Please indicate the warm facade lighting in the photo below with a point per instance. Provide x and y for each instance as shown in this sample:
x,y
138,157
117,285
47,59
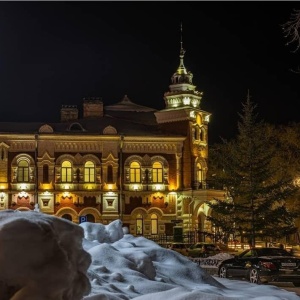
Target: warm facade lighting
x,y
23,186
66,194
23,194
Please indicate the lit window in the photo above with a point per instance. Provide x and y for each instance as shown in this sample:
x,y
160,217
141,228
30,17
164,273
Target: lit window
x,y
89,172
135,172
66,171
157,172
199,175
139,225
154,224
23,171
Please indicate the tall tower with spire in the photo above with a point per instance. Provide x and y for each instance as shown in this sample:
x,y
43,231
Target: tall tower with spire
x,y
183,115
182,99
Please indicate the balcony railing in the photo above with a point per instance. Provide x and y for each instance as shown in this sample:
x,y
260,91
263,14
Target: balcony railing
x,y
207,185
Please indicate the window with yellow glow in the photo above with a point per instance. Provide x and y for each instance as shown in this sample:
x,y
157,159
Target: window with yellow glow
x,y
66,171
199,174
157,172
139,225
89,172
154,224
135,172
23,171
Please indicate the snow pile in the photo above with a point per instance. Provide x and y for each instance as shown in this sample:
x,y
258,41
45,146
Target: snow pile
x,y
47,258
41,257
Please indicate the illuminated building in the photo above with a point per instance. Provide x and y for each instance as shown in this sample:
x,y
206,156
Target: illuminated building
x,y
145,166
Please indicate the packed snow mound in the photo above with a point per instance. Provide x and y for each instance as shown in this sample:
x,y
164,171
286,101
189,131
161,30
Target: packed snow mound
x,y
103,233
131,267
41,257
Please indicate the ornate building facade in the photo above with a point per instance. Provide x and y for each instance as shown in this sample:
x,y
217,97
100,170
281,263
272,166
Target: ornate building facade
x,y
125,161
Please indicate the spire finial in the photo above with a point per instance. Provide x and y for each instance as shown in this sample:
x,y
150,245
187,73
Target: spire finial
x,y
181,69
182,51
181,42
182,76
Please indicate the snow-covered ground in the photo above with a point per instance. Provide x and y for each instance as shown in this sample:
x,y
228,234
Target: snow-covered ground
x,y
48,258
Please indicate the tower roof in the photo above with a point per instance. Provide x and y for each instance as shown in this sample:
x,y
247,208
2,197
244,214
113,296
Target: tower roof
x,y
127,105
182,75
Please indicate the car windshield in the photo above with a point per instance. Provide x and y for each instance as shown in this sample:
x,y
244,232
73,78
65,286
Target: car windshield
x,y
264,252
205,246
272,252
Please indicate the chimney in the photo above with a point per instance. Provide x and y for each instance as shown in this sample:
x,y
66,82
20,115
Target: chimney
x,y
68,113
92,107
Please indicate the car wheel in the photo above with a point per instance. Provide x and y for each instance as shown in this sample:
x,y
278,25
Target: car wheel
x,y
254,276
223,272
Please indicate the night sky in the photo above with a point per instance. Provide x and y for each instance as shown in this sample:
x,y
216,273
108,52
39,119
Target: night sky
x,y
56,53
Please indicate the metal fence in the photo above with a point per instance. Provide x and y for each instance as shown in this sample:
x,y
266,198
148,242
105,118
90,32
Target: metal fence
x,y
165,240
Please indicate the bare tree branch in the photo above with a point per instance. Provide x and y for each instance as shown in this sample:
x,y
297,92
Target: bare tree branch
x,y
291,29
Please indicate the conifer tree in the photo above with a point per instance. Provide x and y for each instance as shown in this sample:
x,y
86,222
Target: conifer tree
x,y
254,190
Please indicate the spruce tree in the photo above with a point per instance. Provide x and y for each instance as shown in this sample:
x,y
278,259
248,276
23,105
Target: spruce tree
x,y
254,191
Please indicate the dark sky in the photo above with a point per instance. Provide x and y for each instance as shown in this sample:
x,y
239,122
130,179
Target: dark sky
x,y
56,53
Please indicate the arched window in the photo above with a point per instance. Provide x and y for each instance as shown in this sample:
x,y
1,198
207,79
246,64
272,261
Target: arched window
x,y
154,224
23,171
157,172
135,172
199,175
89,172
90,218
45,174
66,171
202,134
110,174
195,133
139,225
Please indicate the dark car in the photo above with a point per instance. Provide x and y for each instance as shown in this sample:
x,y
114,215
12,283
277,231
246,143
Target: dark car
x,y
202,249
262,265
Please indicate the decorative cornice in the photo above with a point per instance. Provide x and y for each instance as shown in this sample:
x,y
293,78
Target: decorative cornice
x,y
166,116
22,146
152,147
78,146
